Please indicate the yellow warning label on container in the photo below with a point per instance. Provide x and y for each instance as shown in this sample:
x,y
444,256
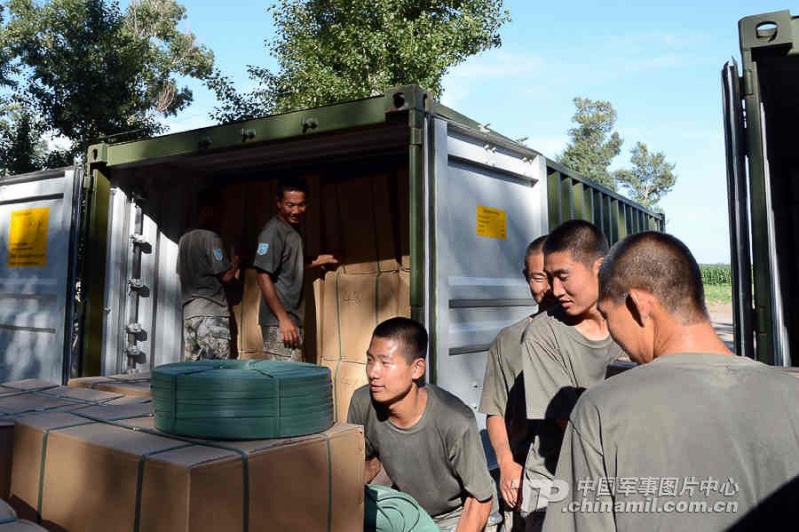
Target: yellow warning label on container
x,y
491,223
27,237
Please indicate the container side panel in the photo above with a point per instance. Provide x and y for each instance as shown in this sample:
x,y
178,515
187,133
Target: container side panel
x,y
572,196
36,224
489,204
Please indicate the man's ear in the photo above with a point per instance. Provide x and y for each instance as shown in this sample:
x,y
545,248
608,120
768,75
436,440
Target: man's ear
x,y
596,265
639,303
418,368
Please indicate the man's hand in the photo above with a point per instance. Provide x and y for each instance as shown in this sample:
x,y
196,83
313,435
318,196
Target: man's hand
x,y
289,333
324,260
510,482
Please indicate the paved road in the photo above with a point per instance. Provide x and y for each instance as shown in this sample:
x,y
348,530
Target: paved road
x,y
724,328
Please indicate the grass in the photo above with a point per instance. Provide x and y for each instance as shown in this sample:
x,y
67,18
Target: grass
x,y
718,293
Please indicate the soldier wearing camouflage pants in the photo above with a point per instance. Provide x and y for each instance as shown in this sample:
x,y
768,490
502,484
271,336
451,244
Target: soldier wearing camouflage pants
x,y
204,269
280,262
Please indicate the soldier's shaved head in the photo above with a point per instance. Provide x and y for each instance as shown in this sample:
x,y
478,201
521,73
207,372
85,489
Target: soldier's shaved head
x,y
661,265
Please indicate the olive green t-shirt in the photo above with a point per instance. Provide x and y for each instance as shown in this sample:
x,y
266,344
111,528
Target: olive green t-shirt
x,y
558,364
439,461
201,258
686,442
279,253
503,388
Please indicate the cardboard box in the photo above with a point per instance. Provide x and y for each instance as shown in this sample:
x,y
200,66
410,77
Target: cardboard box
x,y
353,306
103,477
319,305
349,377
404,293
33,397
250,339
27,385
135,385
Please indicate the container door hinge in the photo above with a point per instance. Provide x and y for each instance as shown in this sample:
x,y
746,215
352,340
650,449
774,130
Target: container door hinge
x,y
134,351
142,243
136,284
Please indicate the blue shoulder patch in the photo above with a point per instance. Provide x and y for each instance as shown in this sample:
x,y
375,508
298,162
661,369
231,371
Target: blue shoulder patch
x,y
263,247
218,254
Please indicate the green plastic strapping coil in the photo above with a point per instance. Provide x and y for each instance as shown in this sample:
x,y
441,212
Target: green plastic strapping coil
x,y
242,399
388,510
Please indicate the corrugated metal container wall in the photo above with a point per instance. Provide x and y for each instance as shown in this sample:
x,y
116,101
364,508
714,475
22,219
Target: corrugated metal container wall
x,y
573,196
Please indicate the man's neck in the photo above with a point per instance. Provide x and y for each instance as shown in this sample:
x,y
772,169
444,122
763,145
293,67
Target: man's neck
x,y
695,338
590,324
406,412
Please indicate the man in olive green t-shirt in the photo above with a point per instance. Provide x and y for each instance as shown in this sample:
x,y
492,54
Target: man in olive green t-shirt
x,y
564,352
694,438
425,437
502,399
280,263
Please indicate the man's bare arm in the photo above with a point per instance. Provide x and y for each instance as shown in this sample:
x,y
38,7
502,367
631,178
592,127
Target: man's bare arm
x,y
510,473
229,275
475,515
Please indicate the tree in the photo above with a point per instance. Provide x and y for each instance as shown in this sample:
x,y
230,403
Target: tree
x,y
593,143
91,71
333,50
21,146
650,178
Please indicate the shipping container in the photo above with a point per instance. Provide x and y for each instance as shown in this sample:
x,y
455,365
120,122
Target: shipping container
x,y
431,210
761,109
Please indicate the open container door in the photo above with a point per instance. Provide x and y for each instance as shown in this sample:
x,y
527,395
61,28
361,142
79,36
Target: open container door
x,y
39,223
738,206
770,53
489,201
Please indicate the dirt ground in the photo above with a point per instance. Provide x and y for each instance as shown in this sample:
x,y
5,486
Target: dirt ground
x,y
721,316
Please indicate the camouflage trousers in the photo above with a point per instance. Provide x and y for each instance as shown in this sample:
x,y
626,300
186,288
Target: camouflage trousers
x,y
206,337
275,350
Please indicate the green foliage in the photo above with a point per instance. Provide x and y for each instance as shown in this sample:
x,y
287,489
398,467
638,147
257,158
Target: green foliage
x,y
21,146
716,274
333,50
593,143
593,146
89,70
719,294
650,178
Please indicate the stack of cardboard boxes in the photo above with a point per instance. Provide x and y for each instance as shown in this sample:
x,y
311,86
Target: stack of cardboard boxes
x,y
134,385
91,460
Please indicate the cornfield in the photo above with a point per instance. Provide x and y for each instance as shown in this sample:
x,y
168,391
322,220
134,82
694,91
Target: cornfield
x,y
716,274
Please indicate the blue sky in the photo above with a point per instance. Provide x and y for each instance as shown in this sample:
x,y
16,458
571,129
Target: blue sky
x,y
657,63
